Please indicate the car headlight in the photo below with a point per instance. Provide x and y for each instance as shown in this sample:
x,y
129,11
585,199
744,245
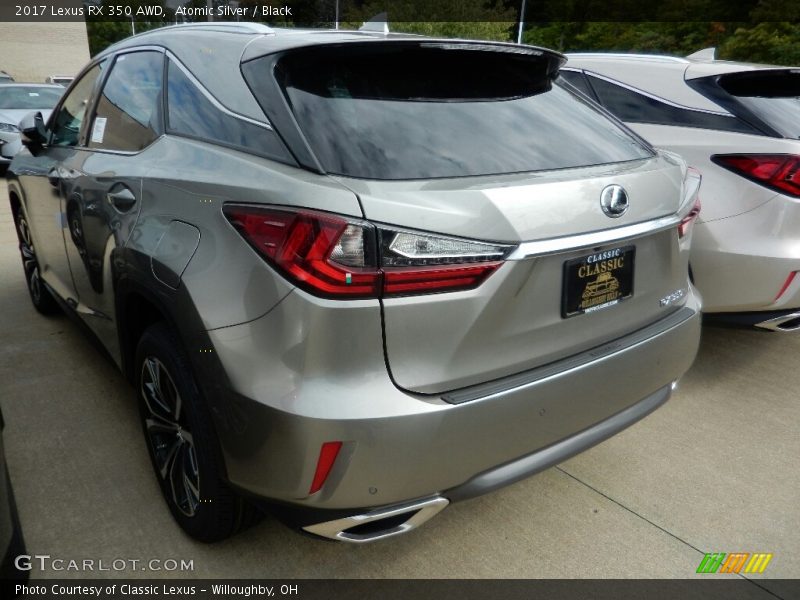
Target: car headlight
x,y
8,127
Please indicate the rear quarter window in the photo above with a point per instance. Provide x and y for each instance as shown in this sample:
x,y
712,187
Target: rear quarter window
x,y
633,107
191,113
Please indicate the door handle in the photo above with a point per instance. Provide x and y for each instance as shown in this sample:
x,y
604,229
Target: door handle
x,y
123,200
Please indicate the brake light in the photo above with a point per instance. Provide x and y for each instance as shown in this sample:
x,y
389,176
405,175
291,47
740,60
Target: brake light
x,y
335,257
779,172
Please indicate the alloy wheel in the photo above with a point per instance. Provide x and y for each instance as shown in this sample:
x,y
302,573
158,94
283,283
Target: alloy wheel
x,y
169,437
29,262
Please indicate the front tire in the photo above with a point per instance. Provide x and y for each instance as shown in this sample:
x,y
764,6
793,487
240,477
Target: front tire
x,y
40,296
181,442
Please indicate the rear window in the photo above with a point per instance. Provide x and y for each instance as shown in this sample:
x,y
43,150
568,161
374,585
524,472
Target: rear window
x,y
29,98
773,96
431,110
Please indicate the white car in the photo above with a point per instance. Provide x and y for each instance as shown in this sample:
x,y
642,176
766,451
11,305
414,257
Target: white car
x,y
16,101
738,124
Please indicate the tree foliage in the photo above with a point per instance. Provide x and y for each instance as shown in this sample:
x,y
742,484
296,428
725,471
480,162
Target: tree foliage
x,y
766,30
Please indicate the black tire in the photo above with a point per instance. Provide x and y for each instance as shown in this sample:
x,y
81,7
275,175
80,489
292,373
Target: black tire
x,y
181,441
40,296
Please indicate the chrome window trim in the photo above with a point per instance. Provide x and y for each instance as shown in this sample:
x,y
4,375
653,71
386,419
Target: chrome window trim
x,y
113,57
652,96
217,104
595,238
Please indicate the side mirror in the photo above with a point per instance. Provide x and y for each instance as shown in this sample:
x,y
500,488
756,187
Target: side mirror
x,y
34,133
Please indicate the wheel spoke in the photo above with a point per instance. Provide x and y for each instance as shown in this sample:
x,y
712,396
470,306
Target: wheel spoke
x,y
35,284
167,463
158,425
171,444
184,492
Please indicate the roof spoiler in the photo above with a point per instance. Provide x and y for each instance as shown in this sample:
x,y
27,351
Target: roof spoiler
x,y
377,24
704,54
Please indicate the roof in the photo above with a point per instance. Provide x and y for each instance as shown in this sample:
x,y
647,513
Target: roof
x,y
202,47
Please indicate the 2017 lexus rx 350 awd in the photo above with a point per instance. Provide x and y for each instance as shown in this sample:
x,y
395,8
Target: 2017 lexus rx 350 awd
x,y
356,276
740,125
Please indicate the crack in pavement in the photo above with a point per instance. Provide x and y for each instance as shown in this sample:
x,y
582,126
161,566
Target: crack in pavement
x,y
659,527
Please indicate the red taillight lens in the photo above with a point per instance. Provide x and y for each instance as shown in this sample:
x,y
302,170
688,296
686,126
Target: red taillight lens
x,y
687,221
301,244
780,172
334,257
327,456
409,280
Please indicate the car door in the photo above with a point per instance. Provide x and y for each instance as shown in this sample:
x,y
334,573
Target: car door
x,y
43,179
102,181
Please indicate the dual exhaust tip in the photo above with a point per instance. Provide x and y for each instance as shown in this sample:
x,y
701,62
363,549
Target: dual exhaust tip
x,y
381,523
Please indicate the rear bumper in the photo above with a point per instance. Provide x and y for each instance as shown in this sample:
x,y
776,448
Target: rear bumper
x,y
399,447
376,524
741,263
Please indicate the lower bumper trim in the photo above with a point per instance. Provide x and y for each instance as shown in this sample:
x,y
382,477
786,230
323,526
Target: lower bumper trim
x,y
545,458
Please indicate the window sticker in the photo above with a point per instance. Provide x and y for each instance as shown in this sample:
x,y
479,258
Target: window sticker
x,y
99,130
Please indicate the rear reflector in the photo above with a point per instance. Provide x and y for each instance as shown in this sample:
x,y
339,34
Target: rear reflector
x,y
780,172
785,285
337,257
327,456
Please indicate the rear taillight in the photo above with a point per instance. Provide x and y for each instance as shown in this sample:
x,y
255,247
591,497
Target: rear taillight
x,y
691,201
780,172
686,222
335,257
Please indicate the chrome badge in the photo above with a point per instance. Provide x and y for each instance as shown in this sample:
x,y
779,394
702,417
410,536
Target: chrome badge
x,y
614,201
672,298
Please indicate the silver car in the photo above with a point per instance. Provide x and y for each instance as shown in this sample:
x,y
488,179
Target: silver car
x,y
16,101
355,277
740,125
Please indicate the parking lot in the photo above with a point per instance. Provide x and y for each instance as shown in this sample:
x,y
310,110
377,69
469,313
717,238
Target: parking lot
x,y
715,470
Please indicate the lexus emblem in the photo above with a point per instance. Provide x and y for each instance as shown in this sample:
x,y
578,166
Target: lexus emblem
x,y
614,201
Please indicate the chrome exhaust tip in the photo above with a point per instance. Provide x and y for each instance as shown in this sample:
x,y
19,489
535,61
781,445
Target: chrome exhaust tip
x,y
381,523
784,323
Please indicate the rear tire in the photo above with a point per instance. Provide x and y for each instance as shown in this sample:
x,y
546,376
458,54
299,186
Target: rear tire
x,y
181,441
40,296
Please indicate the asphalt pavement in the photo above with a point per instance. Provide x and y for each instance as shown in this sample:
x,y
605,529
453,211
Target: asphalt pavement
x,y
714,470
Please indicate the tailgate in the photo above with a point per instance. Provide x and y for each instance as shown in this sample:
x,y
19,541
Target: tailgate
x,y
563,291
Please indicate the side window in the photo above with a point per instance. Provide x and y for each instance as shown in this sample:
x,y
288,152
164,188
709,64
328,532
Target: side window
x,y
66,124
192,114
633,107
577,80
128,110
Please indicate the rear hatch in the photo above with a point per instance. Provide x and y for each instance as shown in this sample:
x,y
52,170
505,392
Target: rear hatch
x,y
452,143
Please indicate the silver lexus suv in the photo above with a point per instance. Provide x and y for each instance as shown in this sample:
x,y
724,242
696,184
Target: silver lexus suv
x,y
354,277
